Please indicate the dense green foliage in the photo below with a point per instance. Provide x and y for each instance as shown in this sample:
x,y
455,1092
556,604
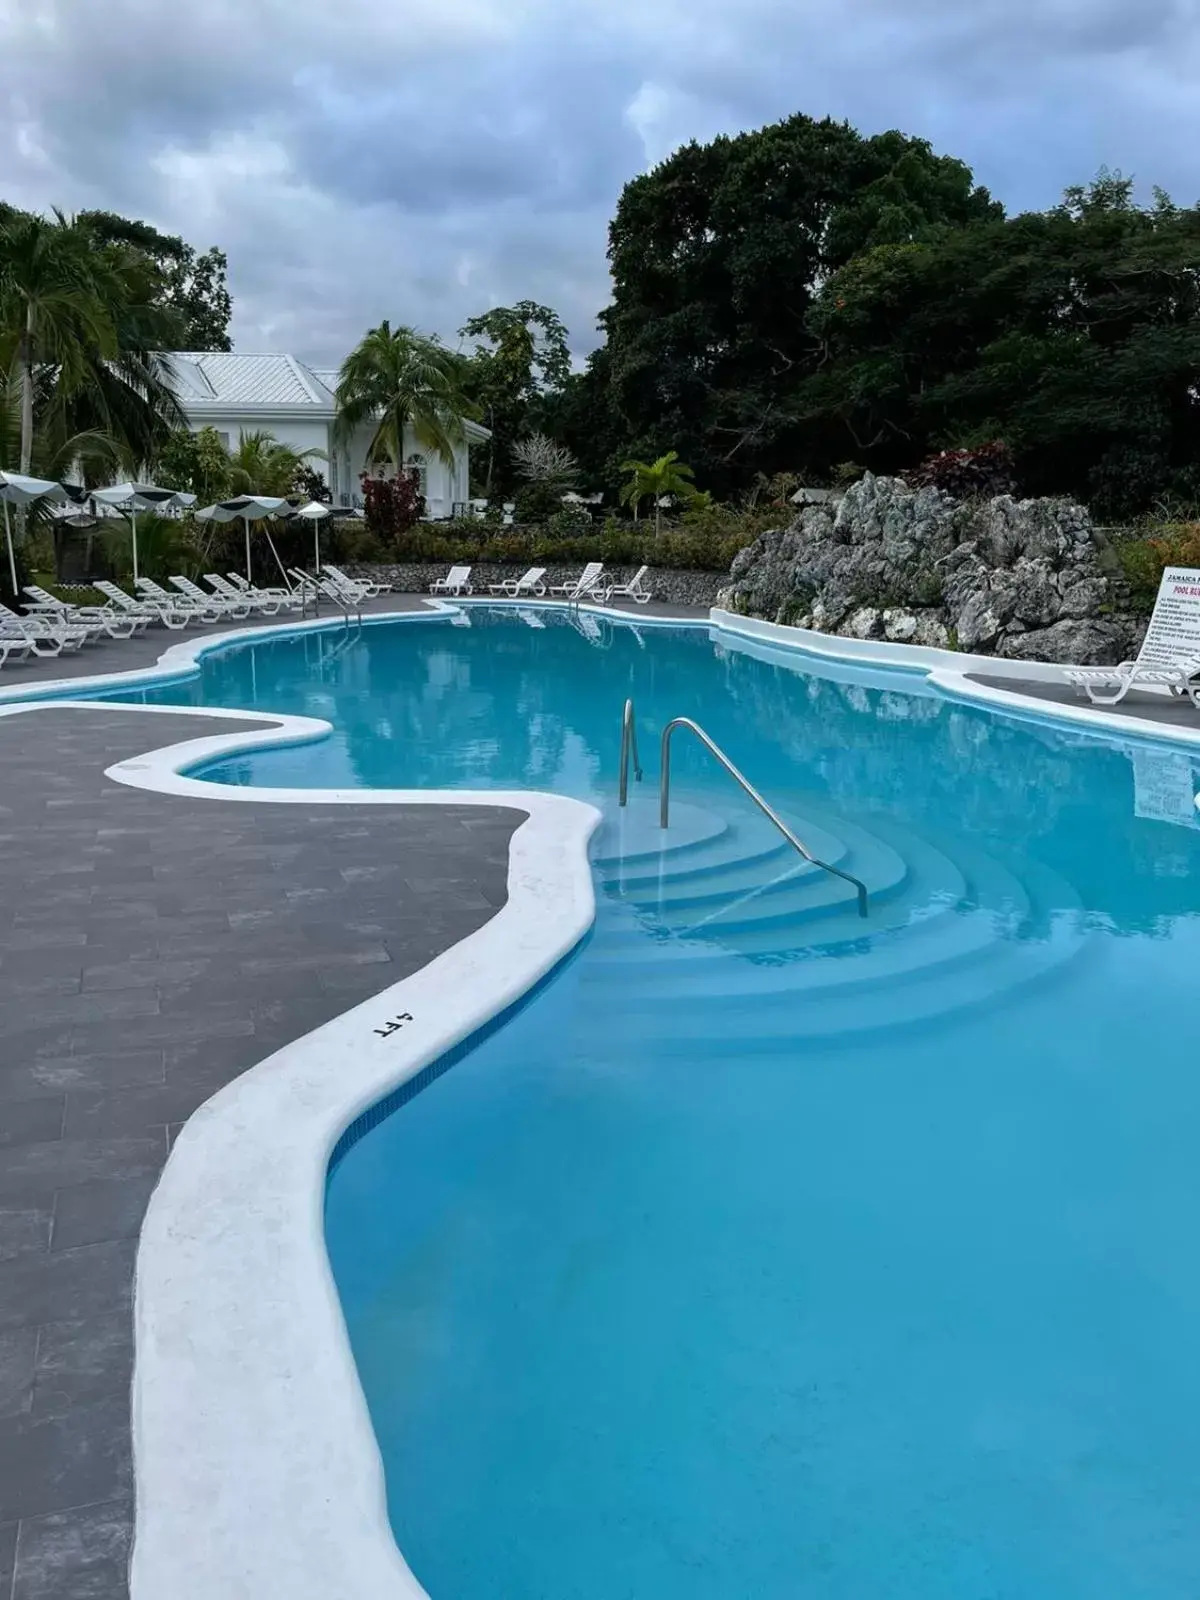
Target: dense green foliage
x,y
83,320
259,464
197,462
520,354
616,542
804,299
190,284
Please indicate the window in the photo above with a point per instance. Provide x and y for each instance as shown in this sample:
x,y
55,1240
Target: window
x,y
417,467
224,438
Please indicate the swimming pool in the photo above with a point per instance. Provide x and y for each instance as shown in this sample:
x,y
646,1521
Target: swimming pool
x,y
767,1252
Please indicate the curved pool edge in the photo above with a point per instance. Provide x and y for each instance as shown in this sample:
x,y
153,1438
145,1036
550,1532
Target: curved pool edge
x,y
947,672
181,661
256,1466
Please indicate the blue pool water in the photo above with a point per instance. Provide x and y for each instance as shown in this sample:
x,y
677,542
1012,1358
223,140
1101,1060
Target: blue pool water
x,y
769,1253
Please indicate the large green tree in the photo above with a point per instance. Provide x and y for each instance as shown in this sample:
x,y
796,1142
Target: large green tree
x,y
1074,335
190,283
717,255
397,379
520,358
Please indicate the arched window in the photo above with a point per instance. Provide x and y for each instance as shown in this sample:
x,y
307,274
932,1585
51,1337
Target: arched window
x,y
417,467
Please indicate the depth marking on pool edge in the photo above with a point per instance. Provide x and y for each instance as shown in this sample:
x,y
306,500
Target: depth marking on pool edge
x,y
394,1025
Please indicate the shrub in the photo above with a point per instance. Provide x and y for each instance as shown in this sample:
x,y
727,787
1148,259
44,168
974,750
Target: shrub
x,y
393,505
1143,561
568,522
537,501
166,546
979,473
618,544
310,484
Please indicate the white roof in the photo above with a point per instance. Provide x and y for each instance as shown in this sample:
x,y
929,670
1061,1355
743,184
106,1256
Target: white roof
x,y
222,381
219,379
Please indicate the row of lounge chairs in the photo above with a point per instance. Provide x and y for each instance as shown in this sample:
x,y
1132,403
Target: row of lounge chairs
x,y
51,626
590,585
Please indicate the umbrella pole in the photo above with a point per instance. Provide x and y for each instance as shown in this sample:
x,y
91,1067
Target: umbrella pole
x,y
12,560
249,574
133,521
317,542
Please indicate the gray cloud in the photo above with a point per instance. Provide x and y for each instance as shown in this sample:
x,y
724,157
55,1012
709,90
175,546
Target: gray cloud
x,y
359,161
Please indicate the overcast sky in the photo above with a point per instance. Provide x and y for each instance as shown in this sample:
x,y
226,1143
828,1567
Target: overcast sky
x,y
424,159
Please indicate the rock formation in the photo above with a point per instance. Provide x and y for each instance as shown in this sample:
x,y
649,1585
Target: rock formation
x,y
1018,578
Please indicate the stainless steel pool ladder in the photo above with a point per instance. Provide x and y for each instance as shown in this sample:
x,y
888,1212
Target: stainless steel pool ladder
x,y
629,743
628,746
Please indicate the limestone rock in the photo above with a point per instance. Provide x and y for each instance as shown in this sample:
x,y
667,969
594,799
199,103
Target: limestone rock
x,y
1011,577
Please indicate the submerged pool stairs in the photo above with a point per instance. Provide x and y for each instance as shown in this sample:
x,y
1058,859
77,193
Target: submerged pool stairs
x,y
738,920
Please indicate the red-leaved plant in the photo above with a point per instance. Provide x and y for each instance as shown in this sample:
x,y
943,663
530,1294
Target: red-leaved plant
x,y
979,473
393,505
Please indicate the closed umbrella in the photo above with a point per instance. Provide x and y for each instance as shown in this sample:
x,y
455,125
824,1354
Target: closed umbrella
x,y
250,507
18,490
135,497
316,514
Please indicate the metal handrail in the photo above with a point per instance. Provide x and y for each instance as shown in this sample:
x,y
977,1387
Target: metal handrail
x,y
713,748
628,743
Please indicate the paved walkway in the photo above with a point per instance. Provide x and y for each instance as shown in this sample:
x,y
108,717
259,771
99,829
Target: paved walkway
x,y
151,949
1164,711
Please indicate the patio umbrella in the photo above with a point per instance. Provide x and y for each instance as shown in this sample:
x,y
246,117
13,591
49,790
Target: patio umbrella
x,y
18,490
135,497
251,508
316,514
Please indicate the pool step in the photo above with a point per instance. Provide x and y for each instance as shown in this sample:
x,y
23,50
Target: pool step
x,y
736,926
863,1002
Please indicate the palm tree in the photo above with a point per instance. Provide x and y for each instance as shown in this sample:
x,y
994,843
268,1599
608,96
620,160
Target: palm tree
x,y
81,326
52,309
397,379
656,480
132,397
262,465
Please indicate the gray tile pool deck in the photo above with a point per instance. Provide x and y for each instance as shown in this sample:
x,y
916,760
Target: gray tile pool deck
x,y
152,948
1154,708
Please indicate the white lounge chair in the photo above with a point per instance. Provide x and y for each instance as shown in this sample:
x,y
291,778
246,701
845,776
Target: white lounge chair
x,y
268,605
107,619
237,609
172,614
18,649
585,585
353,590
370,587
635,589
528,583
310,587
456,581
205,609
43,634
1170,654
288,598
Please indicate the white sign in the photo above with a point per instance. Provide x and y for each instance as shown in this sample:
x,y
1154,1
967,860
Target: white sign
x,y
1174,633
1164,787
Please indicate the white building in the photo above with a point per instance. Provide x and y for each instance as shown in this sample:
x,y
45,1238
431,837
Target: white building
x,y
236,394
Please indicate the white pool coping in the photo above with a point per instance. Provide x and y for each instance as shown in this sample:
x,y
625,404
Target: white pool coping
x,y
257,1469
